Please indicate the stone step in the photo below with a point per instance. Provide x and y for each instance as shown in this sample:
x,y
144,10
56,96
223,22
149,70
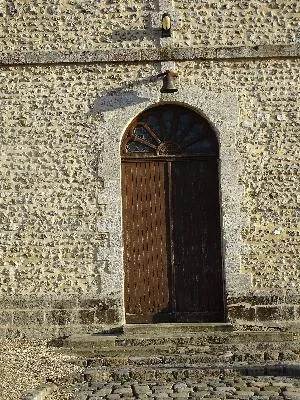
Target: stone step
x,y
186,359
89,341
179,340
156,360
254,352
93,352
92,346
153,372
203,339
170,372
183,328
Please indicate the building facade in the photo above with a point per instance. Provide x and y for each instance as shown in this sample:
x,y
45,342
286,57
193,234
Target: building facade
x,y
76,77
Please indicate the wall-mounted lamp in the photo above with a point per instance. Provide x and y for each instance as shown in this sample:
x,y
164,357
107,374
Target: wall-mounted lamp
x,y
168,82
166,25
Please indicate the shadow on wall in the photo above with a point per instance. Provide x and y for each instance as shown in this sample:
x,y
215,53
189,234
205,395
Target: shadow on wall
x,y
122,96
137,35
125,35
115,99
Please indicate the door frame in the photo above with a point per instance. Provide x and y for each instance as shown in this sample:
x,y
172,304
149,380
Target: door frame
x,y
221,111
170,134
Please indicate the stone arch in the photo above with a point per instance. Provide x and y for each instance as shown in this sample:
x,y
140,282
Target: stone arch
x,y
221,111
171,218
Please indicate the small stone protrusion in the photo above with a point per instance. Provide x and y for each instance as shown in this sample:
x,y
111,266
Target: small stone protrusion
x,y
11,9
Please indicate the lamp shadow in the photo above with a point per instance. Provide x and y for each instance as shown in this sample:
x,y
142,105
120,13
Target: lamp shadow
x,y
122,96
138,35
115,99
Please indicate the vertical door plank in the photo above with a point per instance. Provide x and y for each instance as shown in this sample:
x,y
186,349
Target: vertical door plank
x,y
197,240
145,240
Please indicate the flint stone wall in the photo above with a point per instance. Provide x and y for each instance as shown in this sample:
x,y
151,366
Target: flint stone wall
x,y
61,268
74,25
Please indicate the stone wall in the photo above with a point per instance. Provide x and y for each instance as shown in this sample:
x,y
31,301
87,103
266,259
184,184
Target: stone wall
x,y
268,143
55,208
75,25
72,25
211,23
60,128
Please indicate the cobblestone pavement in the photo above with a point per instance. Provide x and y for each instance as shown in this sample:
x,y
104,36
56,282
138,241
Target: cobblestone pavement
x,y
242,388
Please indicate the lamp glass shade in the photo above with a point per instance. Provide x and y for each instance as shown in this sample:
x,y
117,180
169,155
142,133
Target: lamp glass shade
x,y
166,22
166,25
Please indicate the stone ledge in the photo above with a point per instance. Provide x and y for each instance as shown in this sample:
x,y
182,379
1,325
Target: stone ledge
x,y
155,54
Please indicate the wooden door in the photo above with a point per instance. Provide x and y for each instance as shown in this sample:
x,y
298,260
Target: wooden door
x,y
171,219
198,291
146,241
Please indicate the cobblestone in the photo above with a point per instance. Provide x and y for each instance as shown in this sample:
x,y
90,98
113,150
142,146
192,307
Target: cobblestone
x,y
247,388
161,395
180,387
123,390
103,392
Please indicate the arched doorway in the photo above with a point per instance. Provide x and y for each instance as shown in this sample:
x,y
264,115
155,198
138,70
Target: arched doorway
x,y
171,218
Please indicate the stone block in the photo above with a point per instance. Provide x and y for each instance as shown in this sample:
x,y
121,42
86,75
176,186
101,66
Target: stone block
x,y
90,303
241,312
254,299
69,303
5,317
204,53
59,317
264,313
28,318
272,313
86,317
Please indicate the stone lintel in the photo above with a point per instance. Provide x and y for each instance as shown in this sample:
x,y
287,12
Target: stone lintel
x,y
155,54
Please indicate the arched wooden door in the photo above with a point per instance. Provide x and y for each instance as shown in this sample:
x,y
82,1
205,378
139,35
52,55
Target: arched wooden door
x,y
171,218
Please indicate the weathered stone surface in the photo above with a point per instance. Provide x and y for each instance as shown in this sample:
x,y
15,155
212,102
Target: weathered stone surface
x,y
113,396
197,17
180,395
148,54
103,392
141,389
201,394
161,395
180,387
292,392
244,394
123,390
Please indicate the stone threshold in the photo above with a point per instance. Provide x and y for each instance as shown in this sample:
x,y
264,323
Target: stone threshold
x,y
16,58
173,328
152,330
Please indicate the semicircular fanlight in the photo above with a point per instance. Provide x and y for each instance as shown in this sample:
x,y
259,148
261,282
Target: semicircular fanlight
x,y
169,130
